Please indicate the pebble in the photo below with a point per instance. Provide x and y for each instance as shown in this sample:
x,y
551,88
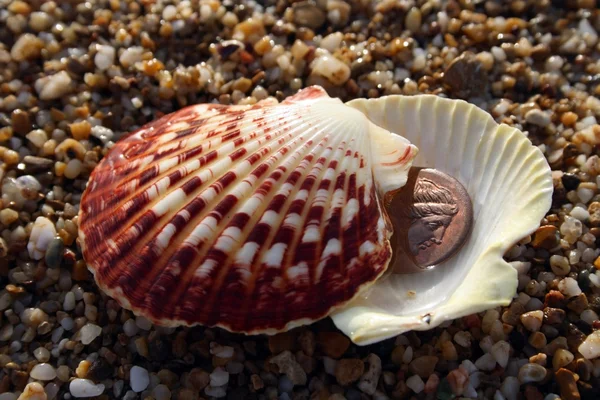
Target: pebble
x,y
131,56
560,265
130,328
161,392
329,67
423,366
55,86
287,365
415,383
105,57
308,14
368,382
26,48
466,76
88,333
219,377
43,372
594,212
33,391
486,362
501,351
41,235
41,354
537,117
590,348
333,344
54,252
139,379
569,287
85,388
567,383
349,370
532,320
531,373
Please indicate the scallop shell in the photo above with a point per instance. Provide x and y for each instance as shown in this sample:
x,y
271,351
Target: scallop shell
x,y
251,218
510,185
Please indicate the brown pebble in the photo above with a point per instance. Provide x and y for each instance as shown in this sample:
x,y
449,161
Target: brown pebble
x,y
567,384
546,237
333,344
423,366
281,342
80,271
187,394
307,342
80,130
594,210
20,122
554,299
466,76
553,316
257,382
537,340
349,370
533,393
569,118
197,379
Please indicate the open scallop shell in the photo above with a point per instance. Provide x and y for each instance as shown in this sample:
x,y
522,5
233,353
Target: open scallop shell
x,y
510,186
252,218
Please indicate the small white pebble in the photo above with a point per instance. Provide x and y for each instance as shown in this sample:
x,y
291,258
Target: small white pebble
x,y
105,57
580,213
500,351
538,117
69,302
560,265
42,233
486,362
88,333
139,379
43,372
590,348
569,287
415,383
531,373
130,328
588,316
85,388
219,377
532,320
143,323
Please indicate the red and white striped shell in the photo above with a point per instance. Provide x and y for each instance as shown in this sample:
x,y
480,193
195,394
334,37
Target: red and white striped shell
x,y
251,218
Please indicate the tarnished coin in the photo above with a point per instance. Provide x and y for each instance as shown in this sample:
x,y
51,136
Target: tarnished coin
x,y
432,216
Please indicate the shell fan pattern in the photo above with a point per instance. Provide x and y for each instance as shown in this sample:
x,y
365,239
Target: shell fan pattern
x,y
254,218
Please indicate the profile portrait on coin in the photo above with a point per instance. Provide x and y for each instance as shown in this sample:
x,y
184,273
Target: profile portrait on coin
x,y
432,212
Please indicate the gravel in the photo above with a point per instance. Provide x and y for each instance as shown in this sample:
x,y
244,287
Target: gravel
x,y
77,76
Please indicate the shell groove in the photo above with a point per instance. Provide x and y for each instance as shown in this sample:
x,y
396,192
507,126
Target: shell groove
x,y
252,218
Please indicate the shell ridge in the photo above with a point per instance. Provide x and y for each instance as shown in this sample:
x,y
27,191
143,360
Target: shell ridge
x,y
219,280
341,153
318,174
305,149
194,173
202,217
210,184
203,140
256,299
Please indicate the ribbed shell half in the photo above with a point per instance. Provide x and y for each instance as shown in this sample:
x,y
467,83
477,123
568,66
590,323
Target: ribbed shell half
x,y
252,218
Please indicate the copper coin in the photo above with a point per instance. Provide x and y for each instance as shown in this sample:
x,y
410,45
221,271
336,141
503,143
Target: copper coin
x,y
432,216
